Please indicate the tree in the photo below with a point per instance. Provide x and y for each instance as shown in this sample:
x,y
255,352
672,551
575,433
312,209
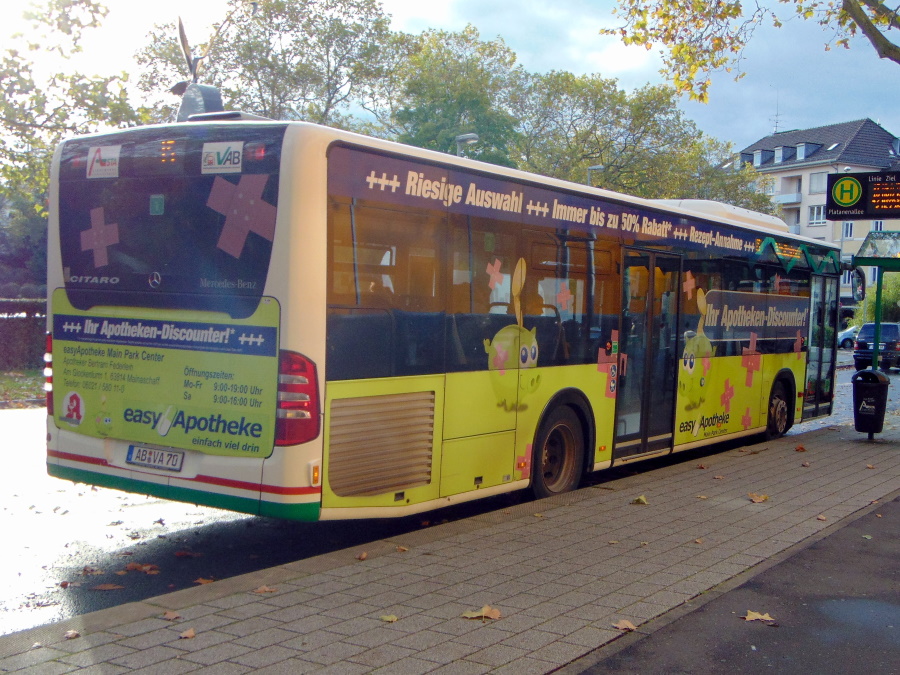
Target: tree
x,y
40,108
282,59
442,84
639,143
706,37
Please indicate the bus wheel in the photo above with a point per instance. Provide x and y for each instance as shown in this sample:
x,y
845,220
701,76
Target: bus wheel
x,y
778,421
558,454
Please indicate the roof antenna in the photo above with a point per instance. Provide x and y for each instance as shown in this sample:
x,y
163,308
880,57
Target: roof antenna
x,y
777,117
196,98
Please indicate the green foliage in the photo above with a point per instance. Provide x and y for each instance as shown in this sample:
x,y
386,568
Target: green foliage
x,y
890,300
699,38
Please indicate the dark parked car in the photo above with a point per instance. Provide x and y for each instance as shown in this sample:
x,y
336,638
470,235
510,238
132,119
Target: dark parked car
x,y
888,348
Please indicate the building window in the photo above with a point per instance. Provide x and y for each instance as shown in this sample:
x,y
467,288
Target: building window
x,y
847,278
877,225
817,214
847,232
818,182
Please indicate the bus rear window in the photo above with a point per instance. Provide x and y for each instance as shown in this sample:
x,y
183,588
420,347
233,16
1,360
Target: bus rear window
x,y
175,217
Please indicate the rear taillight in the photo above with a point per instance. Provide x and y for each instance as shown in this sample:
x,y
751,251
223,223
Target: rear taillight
x,y
297,414
48,373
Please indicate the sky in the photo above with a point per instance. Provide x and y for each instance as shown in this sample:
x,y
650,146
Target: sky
x,y
790,81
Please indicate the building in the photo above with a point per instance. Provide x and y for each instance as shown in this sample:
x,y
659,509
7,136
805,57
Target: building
x,y
799,161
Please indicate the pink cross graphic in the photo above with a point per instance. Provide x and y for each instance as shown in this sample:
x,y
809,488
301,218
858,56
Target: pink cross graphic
x,y
564,295
750,361
689,284
707,364
500,359
99,237
727,395
494,272
244,211
523,464
747,419
777,283
753,343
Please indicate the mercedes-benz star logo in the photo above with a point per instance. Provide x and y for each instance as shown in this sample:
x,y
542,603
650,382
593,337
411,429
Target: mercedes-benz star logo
x,y
155,280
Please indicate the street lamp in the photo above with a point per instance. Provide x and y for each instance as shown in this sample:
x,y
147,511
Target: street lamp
x,y
463,140
590,170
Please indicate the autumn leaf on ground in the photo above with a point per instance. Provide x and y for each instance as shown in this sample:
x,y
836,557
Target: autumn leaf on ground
x,y
140,567
538,515
757,499
389,618
625,624
37,645
869,466
201,580
362,556
702,466
805,464
640,500
756,616
718,477
702,497
698,541
189,634
265,589
823,518
107,587
72,634
878,515
402,549
187,554
91,571
486,612
171,616
800,448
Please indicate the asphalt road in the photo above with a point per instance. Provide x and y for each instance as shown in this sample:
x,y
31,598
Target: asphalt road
x,y
64,543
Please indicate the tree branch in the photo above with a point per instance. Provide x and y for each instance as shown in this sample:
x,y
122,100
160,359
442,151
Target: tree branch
x,y
884,47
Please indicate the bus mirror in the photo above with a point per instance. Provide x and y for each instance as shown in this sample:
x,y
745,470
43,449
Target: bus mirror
x,y
858,284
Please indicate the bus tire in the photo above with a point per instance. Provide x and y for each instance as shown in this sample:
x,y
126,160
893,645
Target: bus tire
x,y
778,419
558,456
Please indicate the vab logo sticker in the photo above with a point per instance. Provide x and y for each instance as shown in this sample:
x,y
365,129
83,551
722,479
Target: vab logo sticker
x,y
846,191
222,157
103,161
73,407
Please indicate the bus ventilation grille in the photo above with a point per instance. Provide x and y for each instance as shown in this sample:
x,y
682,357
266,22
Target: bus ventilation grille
x,y
380,444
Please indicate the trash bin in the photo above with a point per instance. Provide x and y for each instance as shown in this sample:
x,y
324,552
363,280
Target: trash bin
x,y
870,388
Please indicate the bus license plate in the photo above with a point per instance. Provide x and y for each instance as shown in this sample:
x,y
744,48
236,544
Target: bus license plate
x,y
168,460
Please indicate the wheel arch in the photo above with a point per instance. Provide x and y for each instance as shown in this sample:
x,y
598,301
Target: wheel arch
x,y
581,406
786,377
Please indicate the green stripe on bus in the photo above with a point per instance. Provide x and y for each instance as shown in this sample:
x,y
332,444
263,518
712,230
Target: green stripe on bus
x,y
305,512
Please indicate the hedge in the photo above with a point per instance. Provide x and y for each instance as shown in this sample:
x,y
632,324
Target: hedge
x,y
23,324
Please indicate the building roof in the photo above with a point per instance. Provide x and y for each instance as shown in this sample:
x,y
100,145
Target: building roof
x,y
859,143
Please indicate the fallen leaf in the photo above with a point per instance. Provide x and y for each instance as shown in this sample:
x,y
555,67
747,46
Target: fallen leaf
x,y
702,466
114,523
159,522
265,589
538,515
201,580
640,500
72,634
625,624
867,536
37,645
756,616
645,543
718,477
822,518
362,556
120,573
806,464
869,466
878,515
402,549
107,587
189,634
800,448
389,618
486,612
171,616
90,571
757,499
140,567
698,541
702,497
874,501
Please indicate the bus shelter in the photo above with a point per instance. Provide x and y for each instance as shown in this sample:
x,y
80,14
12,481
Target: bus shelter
x,y
882,251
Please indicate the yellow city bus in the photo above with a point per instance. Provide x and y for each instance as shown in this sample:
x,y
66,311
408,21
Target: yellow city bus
x,y
294,321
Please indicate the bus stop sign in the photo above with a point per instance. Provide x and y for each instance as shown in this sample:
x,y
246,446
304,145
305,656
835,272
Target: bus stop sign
x,y
863,196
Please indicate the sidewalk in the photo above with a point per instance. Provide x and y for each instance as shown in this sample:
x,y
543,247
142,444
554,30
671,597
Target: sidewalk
x,y
561,571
